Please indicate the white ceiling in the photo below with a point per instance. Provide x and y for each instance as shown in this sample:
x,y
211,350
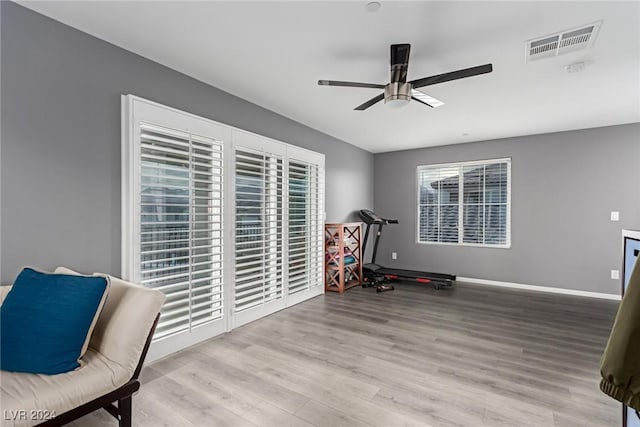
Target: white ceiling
x,y
273,53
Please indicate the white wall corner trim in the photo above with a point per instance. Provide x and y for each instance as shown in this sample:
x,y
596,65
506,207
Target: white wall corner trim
x,y
547,289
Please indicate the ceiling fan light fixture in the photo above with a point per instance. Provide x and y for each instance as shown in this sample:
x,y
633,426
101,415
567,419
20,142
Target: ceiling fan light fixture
x,y
397,95
397,102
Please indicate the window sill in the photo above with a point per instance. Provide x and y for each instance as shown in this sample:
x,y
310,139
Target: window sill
x,y
473,245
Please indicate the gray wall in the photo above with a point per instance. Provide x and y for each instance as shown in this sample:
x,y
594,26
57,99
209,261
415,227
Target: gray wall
x,y
564,186
60,165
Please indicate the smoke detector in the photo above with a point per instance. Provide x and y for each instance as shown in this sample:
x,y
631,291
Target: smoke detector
x,y
562,42
373,6
576,67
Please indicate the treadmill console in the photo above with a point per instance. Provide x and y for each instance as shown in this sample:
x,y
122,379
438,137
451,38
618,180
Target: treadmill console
x,y
369,217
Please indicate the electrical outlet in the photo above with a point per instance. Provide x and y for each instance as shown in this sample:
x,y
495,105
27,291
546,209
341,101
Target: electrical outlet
x,y
394,255
615,216
615,275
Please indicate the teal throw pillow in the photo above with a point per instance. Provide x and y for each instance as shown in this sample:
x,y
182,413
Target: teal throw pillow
x,y
46,321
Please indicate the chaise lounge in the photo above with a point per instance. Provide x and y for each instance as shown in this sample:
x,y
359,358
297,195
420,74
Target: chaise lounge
x,y
110,371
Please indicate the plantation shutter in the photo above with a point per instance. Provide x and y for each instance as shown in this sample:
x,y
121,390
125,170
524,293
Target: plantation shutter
x,y
180,225
259,228
305,227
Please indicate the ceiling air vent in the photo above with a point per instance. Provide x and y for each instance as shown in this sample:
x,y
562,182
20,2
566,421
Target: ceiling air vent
x,y
562,42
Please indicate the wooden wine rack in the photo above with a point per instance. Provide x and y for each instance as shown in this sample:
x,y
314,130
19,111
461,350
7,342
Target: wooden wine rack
x,y
341,240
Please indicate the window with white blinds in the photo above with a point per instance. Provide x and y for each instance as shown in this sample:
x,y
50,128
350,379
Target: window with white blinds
x,y
259,228
305,240
466,203
180,225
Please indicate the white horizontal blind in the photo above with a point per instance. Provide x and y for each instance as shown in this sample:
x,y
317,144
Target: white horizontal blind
x,y
180,225
439,188
305,227
465,203
485,203
259,228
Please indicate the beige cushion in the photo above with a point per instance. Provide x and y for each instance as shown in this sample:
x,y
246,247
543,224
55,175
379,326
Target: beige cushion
x,y
58,393
4,290
125,321
114,351
85,346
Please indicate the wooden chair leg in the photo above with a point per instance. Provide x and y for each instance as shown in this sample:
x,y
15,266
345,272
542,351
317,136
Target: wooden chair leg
x,y
124,407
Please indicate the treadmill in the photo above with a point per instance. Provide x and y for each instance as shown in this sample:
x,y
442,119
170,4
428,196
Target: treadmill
x,y
375,272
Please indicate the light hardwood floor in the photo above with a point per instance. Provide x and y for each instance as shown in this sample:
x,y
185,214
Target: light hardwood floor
x,y
467,356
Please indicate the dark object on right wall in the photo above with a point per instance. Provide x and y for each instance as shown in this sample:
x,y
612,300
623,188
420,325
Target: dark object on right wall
x,y
620,365
620,361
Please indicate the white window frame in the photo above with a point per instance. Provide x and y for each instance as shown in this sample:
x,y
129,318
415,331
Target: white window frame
x,y
244,140
247,141
461,165
310,157
164,116
134,111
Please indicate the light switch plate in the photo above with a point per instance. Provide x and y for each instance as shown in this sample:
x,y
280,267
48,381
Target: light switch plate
x,y
615,216
394,255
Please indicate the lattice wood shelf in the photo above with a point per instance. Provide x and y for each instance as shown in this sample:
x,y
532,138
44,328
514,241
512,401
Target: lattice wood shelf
x,y
343,256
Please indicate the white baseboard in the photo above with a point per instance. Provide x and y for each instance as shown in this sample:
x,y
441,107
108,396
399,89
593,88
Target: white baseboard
x,y
548,289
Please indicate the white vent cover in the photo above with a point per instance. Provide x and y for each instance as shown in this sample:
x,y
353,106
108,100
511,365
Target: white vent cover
x,y
566,41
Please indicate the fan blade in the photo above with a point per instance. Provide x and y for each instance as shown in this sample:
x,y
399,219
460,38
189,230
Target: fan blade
x,y
399,62
421,102
425,99
349,84
370,102
453,75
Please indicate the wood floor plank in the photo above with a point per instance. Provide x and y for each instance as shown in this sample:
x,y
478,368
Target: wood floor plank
x,y
257,411
322,415
236,380
430,406
361,409
197,408
150,409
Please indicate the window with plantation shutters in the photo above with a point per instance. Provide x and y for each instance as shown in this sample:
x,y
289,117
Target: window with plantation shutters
x,y
181,225
305,244
466,203
173,167
279,206
259,228
226,223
